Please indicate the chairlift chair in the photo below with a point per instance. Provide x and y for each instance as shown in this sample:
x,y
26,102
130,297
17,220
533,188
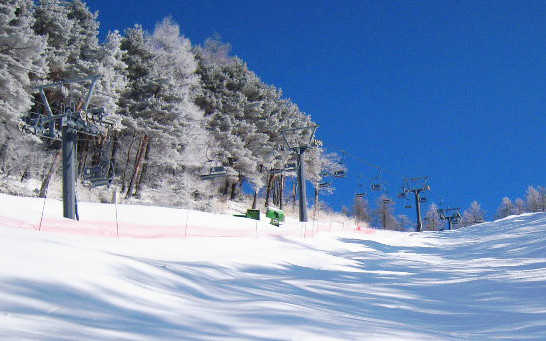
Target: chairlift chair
x,y
290,167
422,199
325,185
360,191
402,195
101,175
408,204
324,173
339,174
275,171
232,160
386,201
377,187
214,172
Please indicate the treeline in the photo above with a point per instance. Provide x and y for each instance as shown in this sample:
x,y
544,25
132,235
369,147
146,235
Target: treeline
x,y
383,215
180,109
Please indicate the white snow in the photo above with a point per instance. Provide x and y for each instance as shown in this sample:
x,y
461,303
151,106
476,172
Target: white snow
x,y
483,282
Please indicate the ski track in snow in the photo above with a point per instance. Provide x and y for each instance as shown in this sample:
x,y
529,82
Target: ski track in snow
x,y
485,282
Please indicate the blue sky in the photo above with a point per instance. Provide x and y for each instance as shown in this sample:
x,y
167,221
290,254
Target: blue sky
x,y
452,90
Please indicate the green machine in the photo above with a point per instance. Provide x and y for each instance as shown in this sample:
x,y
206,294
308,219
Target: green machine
x,y
276,215
252,214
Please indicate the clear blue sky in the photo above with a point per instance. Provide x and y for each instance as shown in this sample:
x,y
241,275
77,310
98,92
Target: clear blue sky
x,y
454,90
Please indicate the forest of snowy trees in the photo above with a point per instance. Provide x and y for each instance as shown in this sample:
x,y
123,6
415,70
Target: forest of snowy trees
x,y
179,109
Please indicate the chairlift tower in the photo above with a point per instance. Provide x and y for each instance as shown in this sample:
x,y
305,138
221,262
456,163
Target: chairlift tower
x,y
452,215
71,121
410,185
299,144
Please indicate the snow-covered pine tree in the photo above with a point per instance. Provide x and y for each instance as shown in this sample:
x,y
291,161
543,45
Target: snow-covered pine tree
x,y
506,208
83,41
21,57
21,62
158,107
473,215
53,24
215,52
432,218
187,136
520,206
405,222
233,98
361,211
112,71
330,166
536,199
246,117
383,215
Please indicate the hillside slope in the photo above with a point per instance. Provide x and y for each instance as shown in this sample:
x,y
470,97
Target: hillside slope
x,y
483,282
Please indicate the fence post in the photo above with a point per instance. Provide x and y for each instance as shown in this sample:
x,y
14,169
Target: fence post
x,y
187,217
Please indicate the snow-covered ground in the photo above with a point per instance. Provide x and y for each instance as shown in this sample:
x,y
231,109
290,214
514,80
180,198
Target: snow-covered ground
x,y
483,282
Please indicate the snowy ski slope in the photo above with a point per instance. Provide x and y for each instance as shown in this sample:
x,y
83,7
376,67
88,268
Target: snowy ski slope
x,y
485,282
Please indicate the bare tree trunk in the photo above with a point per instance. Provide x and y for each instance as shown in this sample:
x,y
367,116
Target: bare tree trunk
x,y
83,156
225,190
294,191
278,191
25,174
281,191
127,164
255,200
138,165
49,175
115,143
232,191
316,200
274,192
3,156
144,170
268,192
236,186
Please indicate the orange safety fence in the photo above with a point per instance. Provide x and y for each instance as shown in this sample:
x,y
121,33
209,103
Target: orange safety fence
x,y
128,221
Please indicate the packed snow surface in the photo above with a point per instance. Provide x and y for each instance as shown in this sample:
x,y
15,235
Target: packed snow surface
x,y
478,283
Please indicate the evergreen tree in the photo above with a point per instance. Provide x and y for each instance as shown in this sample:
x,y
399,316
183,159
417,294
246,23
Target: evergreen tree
x,y
383,215
536,199
404,222
21,64
360,210
21,59
112,70
158,107
506,208
240,111
53,24
473,215
433,220
520,206
215,52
